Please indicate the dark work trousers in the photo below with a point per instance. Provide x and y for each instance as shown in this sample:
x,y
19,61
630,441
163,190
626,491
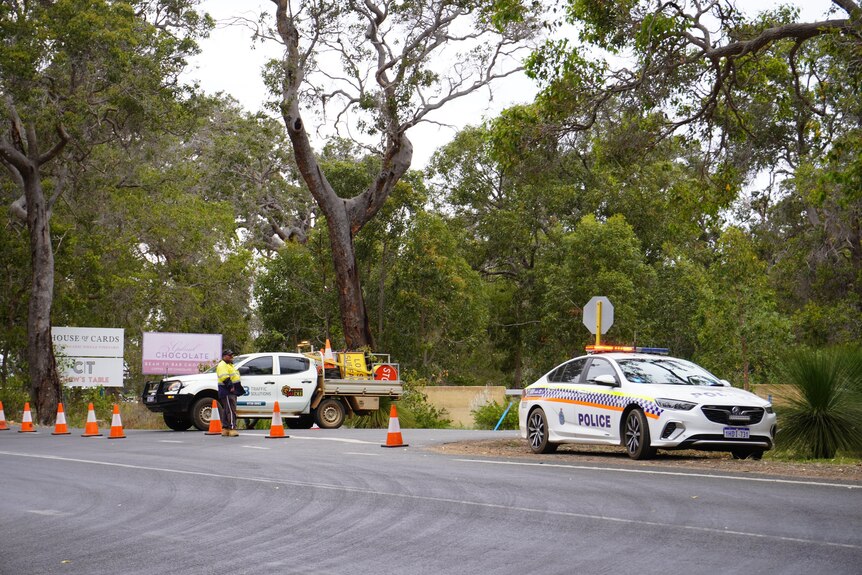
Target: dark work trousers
x,y
228,411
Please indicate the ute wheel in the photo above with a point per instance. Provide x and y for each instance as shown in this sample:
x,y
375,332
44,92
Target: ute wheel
x,y
201,411
329,414
537,433
177,422
747,453
301,422
636,439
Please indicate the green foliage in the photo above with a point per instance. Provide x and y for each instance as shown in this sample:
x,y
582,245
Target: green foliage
x,y
488,415
414,411
741,333
823,418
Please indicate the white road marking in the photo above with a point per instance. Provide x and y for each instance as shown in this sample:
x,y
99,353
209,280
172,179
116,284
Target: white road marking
x,y
48,512
360,453
656,472
459,502
256,447
170,441
339,439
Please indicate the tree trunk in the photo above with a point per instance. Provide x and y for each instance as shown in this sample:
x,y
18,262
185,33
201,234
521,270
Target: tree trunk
x,y
23,159
351,304
44,378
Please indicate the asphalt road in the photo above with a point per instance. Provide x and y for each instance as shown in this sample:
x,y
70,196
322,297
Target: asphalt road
x,y
335,502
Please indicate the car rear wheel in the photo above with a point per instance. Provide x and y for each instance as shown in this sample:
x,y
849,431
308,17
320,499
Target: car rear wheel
x,y
329,414
537,432
747,453
177,422
636,437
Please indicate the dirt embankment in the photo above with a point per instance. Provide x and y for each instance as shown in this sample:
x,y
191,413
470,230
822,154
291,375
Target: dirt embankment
x,y
706,462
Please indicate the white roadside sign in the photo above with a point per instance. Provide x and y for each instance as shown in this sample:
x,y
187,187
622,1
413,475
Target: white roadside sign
x,y
89,356
88,341
591,314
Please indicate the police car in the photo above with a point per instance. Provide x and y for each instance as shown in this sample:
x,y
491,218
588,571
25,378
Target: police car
x,y
644,400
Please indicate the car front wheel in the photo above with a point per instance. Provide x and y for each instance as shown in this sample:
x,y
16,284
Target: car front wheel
x,y
201,412
177,422
636,438
537,433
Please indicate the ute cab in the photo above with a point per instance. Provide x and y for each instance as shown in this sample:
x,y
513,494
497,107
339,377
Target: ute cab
x,y
288,378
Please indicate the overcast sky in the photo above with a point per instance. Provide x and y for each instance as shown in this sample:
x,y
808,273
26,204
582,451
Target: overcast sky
x,y
229,64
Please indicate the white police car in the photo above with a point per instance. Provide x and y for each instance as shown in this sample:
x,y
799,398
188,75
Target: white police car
x,y
644,401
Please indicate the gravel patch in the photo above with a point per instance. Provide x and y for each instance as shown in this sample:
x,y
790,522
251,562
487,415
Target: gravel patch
x,y
711,462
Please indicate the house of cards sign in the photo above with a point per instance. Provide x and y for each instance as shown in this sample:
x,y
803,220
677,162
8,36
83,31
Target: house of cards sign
x,y
89,356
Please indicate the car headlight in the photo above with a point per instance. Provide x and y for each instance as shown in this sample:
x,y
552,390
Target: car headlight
x,y
769,409
676,404
172,386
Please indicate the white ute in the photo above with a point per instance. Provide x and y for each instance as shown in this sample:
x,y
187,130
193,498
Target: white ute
x,y
307,390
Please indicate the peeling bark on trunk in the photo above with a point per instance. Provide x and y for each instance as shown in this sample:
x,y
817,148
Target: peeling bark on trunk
x,y
22,158
44,378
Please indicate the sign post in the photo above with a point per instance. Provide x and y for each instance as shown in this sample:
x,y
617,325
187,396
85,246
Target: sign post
x,y
599,316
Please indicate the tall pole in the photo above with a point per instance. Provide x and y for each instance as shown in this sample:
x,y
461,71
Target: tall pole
x,y
599,323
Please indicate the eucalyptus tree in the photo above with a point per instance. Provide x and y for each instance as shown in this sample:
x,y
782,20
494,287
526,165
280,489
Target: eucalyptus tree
x,y
378,68
74,74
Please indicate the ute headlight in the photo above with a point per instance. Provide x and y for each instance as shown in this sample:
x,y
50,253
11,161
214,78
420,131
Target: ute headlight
x,y
172,386
676,404
769,409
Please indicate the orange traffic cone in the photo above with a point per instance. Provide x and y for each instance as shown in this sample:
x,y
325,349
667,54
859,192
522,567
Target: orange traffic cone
x,y
328,357
116,425
215,420
60,426
276,430
91,428
27,420
393,438
3,425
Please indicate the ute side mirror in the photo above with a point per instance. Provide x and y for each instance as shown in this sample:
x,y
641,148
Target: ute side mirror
x,y
244,370
725,383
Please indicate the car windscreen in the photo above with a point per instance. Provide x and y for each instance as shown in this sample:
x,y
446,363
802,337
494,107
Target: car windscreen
x,y
665,370
236,359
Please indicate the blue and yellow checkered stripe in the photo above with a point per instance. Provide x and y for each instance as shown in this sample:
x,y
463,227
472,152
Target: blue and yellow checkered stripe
x,y
613,401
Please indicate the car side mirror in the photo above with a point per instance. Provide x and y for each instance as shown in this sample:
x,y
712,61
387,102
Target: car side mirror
x,y
244,370
606,379
725,383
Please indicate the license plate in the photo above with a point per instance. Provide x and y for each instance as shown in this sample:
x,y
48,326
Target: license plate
x,y
737,433
150,399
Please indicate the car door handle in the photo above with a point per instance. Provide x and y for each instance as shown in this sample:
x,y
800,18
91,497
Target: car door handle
x,y
306,381
269,383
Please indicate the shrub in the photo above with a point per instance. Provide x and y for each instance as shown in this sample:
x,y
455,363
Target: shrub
x,y
487,416
415,411
826,414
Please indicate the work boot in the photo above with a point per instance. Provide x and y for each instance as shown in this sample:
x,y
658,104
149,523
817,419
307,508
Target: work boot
x,y
225,432
234,433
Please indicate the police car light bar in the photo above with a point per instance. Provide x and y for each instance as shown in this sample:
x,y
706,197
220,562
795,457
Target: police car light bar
x,y
627,348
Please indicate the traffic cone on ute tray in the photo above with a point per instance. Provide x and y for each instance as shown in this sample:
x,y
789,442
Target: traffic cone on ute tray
x,y
276,430
91,428
27,420
215,420
3,425
393,438
60,425
116,425
328,357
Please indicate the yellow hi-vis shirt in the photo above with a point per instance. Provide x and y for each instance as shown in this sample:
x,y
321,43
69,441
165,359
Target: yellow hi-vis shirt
x,y
226,371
